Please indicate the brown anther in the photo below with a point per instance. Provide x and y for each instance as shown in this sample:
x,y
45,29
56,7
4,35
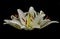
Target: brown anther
x,y
23,19
16,15
26,22
32,17
47,17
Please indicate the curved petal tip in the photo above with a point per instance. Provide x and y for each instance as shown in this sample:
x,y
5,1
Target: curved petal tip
x,y
31,9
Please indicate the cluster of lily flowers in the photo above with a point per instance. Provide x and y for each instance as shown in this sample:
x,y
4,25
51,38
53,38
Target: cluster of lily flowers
x,y
29,20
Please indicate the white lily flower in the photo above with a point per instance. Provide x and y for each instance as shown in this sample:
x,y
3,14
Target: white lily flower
x,y
29,20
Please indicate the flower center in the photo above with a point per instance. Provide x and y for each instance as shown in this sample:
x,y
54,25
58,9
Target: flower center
x,y
29,19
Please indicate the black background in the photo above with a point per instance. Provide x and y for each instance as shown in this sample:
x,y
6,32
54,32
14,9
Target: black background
x,y
9,7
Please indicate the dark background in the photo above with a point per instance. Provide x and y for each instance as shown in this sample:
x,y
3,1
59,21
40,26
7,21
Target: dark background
x,y
9,7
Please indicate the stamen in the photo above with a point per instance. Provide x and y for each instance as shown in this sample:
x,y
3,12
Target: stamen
x,y
46,17
23,19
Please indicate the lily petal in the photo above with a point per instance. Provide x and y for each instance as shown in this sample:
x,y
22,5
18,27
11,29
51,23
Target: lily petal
x,y
13,17
39,18
46,23
21,16
42,13
20,13
32,11
14,23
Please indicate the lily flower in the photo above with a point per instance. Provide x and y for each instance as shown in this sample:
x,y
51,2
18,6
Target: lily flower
x,y
29,20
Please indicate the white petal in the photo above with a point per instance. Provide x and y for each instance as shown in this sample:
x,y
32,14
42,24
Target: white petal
x,y
46,23
23,22
13,22
34,25
4,23
7,21
13,17
32,11
43,22
42,13
23,27
54,22
38,18
21,15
